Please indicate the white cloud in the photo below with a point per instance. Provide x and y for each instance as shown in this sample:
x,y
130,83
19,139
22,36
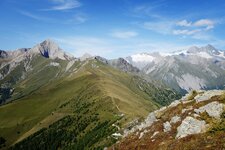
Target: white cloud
x,y
124,34
196,30
208,24
183,23
204,22
64,5
186,32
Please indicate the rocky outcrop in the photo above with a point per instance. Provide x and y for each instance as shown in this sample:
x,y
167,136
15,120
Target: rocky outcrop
x,y
205,95
182,121
166,127
49,49
213,109
190,126
147,123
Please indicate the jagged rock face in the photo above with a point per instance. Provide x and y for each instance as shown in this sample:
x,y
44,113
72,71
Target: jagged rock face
x,y
50,49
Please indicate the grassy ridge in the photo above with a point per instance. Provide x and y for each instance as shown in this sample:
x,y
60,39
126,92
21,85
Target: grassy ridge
x,y
92,88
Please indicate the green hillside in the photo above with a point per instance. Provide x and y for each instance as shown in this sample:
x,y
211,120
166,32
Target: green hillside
x,y
76,109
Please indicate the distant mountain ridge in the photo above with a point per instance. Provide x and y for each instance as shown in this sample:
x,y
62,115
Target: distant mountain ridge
x,y
184,70
191,69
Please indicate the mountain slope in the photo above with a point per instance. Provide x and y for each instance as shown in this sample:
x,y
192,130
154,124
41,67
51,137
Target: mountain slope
x,y
27,70
192,69
90,94
197,121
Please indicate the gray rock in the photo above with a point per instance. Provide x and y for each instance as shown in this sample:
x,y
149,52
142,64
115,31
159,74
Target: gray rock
x,y
175,119
190,126
214,109
147,123
206,95
167,127
174,103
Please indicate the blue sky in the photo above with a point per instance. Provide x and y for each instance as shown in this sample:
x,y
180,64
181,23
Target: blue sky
x,y
112,28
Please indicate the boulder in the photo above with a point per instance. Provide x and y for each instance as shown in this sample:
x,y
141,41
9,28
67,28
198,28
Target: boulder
x,y
190,126
166,126
214,109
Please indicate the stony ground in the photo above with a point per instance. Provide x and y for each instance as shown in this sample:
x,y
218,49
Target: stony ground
x,y
197,121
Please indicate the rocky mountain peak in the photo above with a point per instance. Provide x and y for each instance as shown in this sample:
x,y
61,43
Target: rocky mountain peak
x,y
85,57
208,49
50,49
123,65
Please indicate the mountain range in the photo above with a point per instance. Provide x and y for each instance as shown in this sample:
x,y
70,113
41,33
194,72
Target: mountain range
x,y
185,70
50,99
46,94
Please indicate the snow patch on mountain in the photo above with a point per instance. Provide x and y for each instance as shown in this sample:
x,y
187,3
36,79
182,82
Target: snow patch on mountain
x,y
142,58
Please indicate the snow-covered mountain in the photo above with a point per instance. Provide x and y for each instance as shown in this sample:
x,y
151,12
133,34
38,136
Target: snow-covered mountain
x,y
184,70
